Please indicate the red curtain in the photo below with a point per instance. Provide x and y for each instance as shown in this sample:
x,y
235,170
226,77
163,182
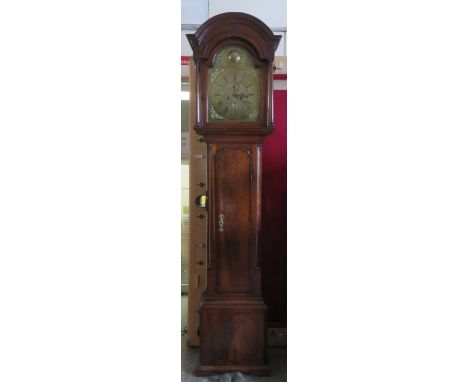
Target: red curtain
x,y
274,214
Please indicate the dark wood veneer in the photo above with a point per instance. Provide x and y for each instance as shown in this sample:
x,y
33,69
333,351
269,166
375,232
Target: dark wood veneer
x,y
232,312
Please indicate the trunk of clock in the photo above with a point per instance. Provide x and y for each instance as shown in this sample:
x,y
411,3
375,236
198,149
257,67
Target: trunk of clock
x,y
232,312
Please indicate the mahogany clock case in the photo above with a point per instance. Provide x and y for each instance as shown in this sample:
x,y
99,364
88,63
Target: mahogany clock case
x,y
232,312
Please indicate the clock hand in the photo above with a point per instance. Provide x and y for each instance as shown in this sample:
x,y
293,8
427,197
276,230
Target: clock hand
x,y
241,96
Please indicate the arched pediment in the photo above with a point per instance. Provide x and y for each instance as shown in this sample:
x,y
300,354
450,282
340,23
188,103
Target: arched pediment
x,y
236,25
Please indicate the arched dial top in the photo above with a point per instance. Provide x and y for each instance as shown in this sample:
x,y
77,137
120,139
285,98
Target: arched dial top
x,y
233,86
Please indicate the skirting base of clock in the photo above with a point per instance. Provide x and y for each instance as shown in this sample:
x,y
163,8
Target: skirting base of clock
x,y
259,370
235,337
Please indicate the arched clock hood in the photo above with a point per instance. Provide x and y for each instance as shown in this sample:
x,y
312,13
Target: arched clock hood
x,y
234,28
238,25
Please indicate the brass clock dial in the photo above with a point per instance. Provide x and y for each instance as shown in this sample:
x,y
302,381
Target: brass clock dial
x,y
234,87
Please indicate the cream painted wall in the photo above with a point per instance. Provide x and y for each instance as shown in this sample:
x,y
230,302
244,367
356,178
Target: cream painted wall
x,y
271,12
194,11
185,185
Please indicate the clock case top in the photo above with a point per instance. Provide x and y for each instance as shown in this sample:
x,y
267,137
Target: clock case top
x,y
250,33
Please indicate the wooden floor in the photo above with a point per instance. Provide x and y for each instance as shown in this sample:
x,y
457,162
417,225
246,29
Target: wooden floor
x,y
276,357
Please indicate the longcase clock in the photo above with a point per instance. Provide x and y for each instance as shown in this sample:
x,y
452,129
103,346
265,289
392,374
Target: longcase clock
x,y
234,55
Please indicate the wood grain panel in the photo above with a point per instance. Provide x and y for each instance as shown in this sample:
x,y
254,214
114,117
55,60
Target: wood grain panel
x,y
233,182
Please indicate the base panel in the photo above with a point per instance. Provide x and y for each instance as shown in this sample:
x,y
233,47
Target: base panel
x,y
232,337
259,370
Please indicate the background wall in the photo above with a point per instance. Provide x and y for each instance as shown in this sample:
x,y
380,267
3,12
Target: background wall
x,y
195,12
273,252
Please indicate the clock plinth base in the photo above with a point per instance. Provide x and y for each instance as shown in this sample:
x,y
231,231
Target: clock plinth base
x,y
232,336
260,370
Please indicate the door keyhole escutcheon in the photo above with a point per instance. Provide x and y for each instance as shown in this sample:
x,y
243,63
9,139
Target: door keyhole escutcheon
x,y
220,223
